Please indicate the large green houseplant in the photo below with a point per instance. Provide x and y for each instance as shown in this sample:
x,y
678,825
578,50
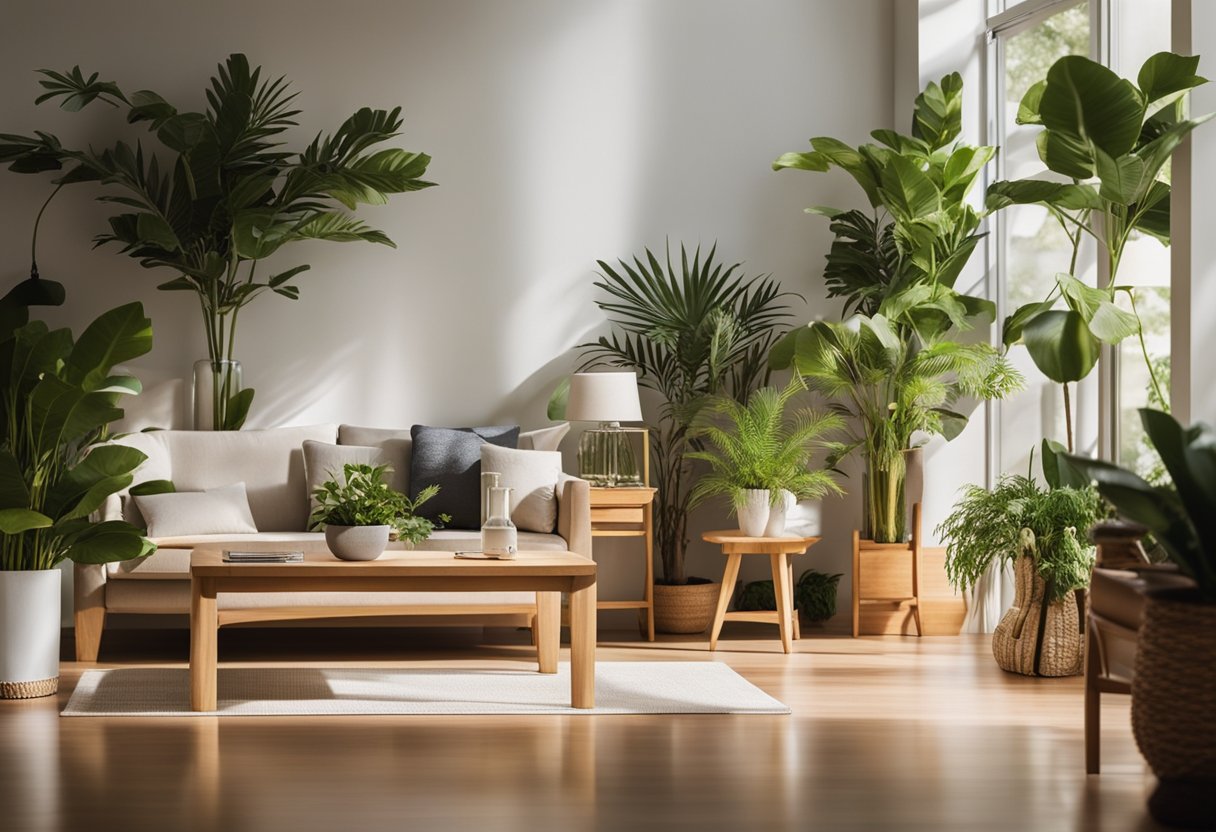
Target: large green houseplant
x,y
1106,143
691,332
223,194
58,397
1173,699
759,454
898,367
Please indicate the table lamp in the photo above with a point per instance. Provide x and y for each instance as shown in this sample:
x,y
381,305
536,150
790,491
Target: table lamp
x,y
605,454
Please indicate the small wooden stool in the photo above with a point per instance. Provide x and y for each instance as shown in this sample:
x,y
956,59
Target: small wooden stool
x,y
735,545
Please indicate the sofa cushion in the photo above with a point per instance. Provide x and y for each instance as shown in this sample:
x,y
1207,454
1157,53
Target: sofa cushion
x,y
543,439
269,462
532,477
324,461
451,459
223,510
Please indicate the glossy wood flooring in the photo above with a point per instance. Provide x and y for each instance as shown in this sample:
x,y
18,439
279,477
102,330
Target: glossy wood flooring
x,y
886,733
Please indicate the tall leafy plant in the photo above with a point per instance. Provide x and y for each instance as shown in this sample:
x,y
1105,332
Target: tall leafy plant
x,y
58,397
224,194
890,388
690,333
896,367
1106,143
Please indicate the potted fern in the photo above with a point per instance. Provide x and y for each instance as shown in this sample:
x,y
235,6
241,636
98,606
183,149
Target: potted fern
x,y
759,456
359,511
1173,699
1043,531
58,396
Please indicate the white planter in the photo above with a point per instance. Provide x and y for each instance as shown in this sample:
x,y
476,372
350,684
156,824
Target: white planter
x,y
29,633
753,514
356,542
777,515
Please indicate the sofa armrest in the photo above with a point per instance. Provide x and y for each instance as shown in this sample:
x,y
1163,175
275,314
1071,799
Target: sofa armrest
x,y
574,514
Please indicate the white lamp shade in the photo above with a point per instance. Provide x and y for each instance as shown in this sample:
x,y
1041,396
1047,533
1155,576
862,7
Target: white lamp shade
x,y
604,397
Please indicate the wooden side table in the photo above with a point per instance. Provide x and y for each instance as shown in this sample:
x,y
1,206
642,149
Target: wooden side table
x,y
735,545
628,512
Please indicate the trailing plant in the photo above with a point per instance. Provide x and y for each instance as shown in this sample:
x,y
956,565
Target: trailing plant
x,y
58,397
691,333
891,388
760,448
1019,515
896,367
815,594
225,195
1181,515
362,497
1112,140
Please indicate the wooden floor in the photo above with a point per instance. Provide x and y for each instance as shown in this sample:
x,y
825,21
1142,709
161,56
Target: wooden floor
x,y
886,733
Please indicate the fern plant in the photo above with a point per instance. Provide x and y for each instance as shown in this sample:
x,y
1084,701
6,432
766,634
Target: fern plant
x,y
1019,515
758,447
227,195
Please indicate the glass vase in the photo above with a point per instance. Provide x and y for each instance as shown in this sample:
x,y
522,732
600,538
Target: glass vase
x,y
884,515
606,458
215,383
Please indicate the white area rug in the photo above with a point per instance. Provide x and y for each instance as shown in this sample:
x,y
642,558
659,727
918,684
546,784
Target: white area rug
x,y
620,688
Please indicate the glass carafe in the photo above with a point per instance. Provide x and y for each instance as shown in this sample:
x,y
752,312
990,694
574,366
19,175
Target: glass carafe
x,y
498,535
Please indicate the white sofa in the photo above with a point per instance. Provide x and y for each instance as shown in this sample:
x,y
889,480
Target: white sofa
x,y
271,464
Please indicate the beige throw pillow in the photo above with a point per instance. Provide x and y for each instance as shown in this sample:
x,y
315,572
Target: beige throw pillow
x,y
222,510
533,477
323,462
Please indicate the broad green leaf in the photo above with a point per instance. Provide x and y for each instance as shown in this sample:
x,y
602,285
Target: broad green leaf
x,y
154,230
14,490
1066,197
82,489
149,487
1105,320
1089,103
1065,154
801,161
961,169
1123,179
238,409
937,115
857,164
18,520
119,335
1153,214
1028,108
1011,332
907,191
113,540
1056,471
1061,345
1166,74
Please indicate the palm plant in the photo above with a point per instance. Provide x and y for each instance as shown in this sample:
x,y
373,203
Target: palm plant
x,y
891,387
228,196
760,448
690,334
1111,140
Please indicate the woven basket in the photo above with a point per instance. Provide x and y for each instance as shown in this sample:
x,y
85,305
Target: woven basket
x,y
685,609
1016,644
29,690
1174,689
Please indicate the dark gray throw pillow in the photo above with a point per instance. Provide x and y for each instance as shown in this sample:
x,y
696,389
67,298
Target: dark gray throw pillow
x,y
451,459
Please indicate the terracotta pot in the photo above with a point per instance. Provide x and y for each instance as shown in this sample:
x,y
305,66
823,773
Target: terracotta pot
x,y
1173,700
685,609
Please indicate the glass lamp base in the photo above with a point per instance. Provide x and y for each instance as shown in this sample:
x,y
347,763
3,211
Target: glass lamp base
x,y
606,458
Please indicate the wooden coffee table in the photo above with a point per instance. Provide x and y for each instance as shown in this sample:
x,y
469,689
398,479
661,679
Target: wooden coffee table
x,y
548,574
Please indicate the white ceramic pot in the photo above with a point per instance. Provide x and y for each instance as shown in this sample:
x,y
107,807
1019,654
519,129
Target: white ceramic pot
x,y
356,542
777,515
753,514
29,633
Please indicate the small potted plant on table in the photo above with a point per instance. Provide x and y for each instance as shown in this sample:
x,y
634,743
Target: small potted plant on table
x,y
759,457
359,511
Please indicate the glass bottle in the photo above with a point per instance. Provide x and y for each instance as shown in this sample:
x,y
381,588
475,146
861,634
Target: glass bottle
x,y
498,535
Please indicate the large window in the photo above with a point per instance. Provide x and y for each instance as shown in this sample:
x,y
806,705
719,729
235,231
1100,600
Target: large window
x,y
1031,247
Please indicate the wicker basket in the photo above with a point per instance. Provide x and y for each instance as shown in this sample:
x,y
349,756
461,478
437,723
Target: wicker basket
x,y
1174,689
685,609
1017,645
29,690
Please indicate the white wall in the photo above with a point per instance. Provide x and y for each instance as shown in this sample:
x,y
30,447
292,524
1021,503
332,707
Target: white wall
x,y
561,132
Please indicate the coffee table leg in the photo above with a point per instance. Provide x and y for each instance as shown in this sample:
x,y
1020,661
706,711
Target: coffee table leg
x,y
548,629
582,642
204,624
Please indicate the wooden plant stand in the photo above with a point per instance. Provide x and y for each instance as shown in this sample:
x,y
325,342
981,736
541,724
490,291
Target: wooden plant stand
x,y
887,573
